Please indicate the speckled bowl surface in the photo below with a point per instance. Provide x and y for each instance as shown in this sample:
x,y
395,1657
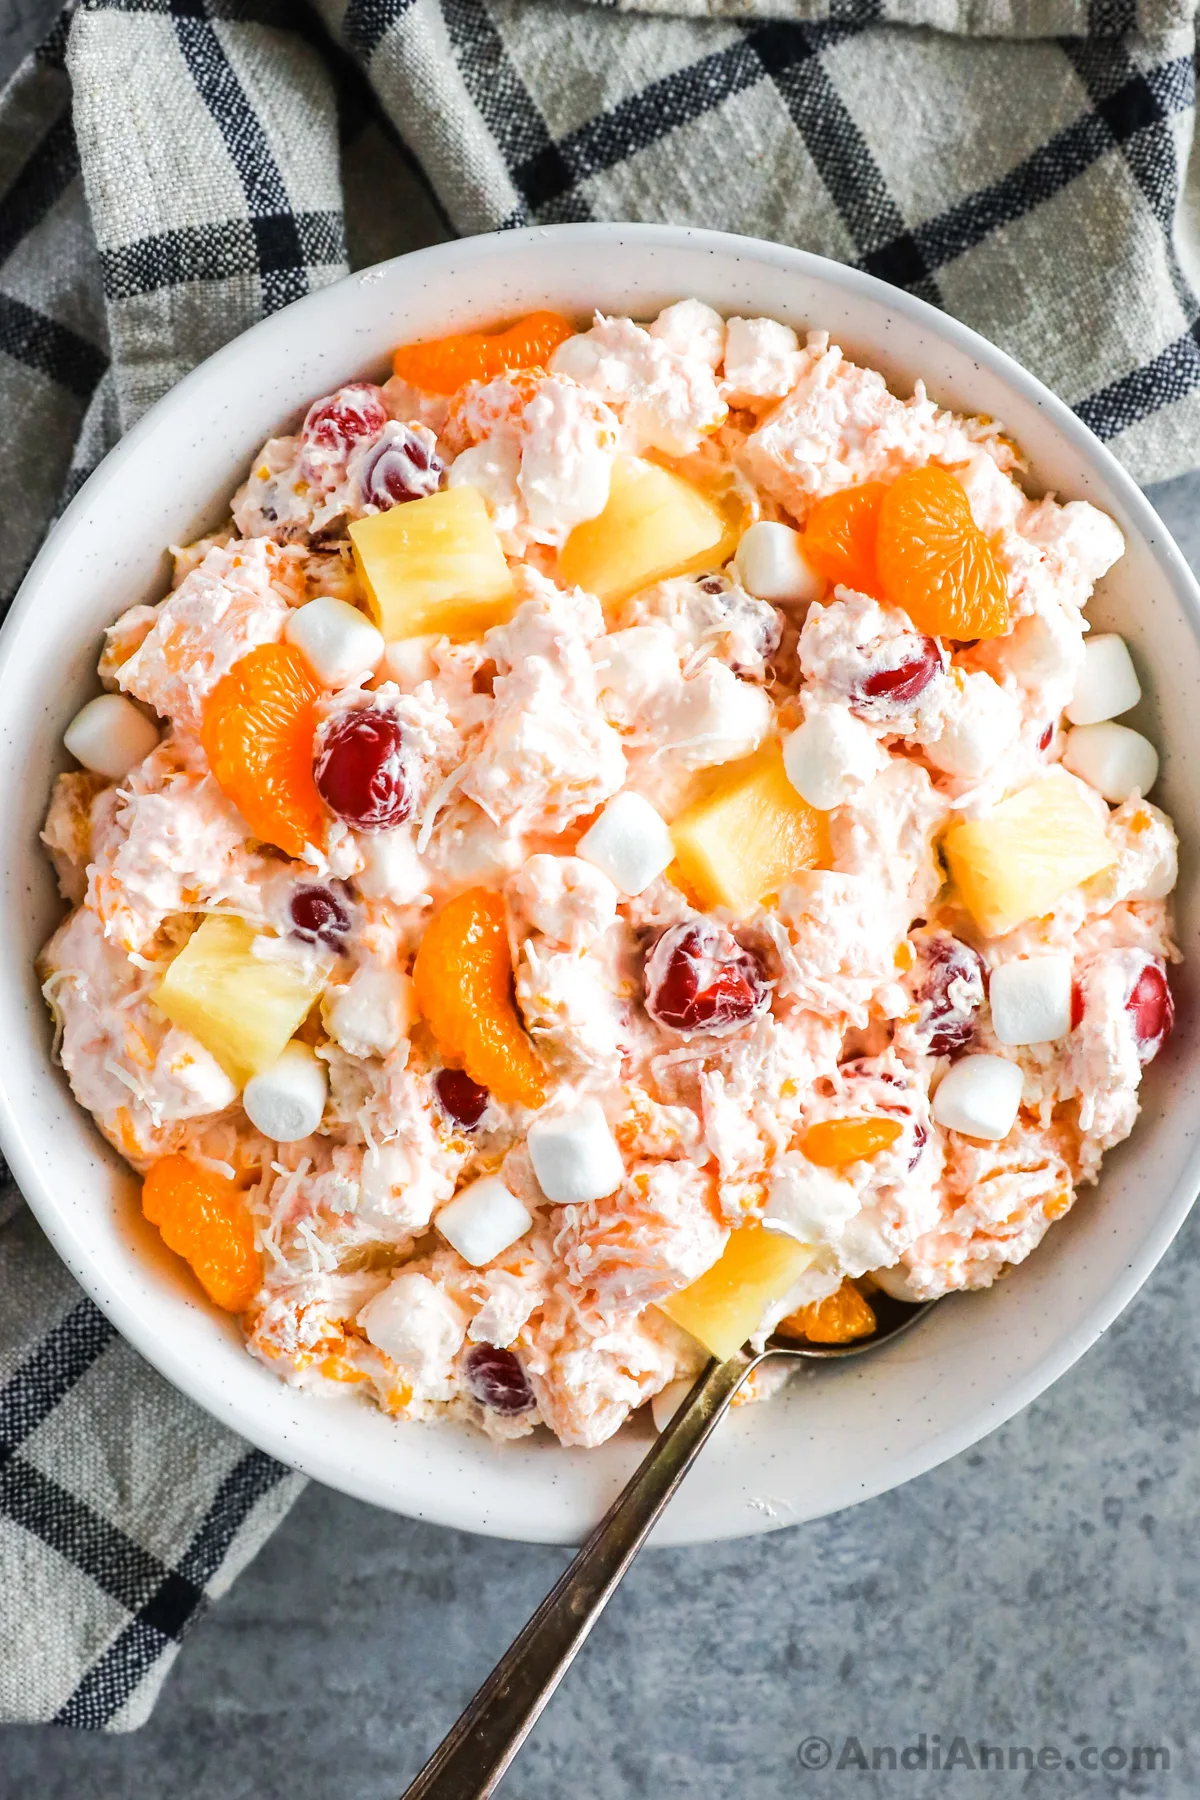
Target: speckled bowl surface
x,y
837,1435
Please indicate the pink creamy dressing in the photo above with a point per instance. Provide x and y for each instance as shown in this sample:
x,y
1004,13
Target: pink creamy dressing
x,y
510,745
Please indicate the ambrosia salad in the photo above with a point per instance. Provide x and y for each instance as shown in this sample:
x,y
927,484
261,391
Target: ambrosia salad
x,y
621,844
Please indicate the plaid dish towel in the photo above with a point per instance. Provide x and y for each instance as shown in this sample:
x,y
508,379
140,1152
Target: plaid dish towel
x,y
172,169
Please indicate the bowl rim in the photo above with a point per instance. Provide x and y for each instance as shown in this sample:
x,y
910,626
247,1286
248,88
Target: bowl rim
x,y
225,1405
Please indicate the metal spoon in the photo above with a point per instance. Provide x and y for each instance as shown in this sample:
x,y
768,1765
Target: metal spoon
x,y
472,1758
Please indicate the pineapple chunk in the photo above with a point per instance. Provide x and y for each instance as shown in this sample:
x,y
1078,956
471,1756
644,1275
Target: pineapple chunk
x,y
1017,862
744,838
655,524
434,565
728,1302
243,1008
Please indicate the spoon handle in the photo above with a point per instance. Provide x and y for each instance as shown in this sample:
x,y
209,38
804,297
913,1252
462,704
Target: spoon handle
x,y
472,1758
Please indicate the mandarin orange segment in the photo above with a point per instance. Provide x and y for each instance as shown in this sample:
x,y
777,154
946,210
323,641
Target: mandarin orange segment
x,y
464,987
203,1217
443,365
258,730
934,562
340,1368
836,1143
838,1319
839,536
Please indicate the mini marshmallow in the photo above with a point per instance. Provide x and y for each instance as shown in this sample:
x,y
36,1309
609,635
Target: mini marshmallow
x,y
1107,682
667,1402
763,361
370,1015
110,736
287,1100
186,1061
691,328
335,639
417,1324
1114,760
482,1220
1043,649
831,757
391,868
895,1283
408,662
577,357
982,721
396,1187
1031,1000
771,565
630,843
979,1096
575,1156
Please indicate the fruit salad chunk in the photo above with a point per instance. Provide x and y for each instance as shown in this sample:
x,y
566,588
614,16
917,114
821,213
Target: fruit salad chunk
x,y
258,730
1152,1010
403,466
840,534
933,561
497,1380
1016,862
463,978
700,979
656,524
838,1319
434,565
360,769
443,365
833,1143
741,842
949,980
243,1006
728,1303
203,1217
332,427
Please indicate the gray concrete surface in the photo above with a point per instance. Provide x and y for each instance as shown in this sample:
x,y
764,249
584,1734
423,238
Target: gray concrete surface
x,y
1040,1592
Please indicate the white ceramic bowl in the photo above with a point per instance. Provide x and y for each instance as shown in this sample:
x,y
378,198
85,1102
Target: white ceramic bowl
x,y
839,1436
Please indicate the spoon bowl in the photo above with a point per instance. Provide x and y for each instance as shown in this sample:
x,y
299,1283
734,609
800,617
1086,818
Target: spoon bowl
x,y
892,1319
